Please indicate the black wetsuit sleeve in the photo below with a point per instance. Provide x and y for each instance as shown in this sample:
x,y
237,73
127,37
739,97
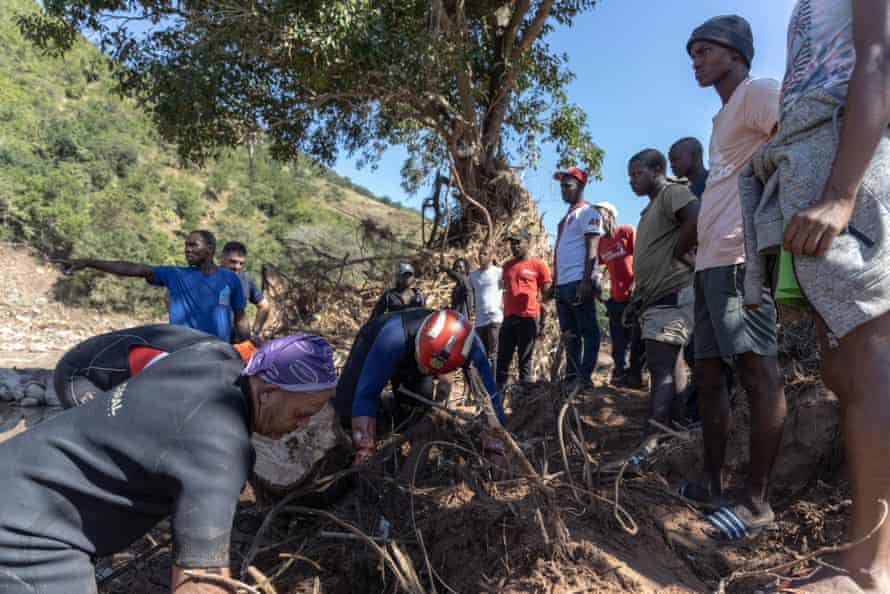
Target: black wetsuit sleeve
x,y
212,460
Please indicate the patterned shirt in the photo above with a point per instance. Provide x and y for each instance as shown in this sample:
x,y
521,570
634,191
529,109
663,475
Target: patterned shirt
x,y
820,48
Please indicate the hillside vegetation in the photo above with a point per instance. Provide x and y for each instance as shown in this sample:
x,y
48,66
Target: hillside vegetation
x,y
84,173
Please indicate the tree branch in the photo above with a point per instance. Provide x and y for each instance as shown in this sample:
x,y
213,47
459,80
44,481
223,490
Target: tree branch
x,y
515,22
464,75
498,110
488,223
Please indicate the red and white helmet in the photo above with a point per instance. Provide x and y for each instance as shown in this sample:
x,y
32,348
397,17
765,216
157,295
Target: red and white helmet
x,y
443,342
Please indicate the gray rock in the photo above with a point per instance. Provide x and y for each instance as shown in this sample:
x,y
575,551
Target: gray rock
x,y
50,396
34,390
11,380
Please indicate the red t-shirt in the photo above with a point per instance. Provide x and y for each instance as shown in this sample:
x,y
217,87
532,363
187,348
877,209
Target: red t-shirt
x,y
616,253
522,279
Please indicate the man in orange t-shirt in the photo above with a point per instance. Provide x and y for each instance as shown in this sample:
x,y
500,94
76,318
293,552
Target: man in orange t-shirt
x,y
615,252
526,280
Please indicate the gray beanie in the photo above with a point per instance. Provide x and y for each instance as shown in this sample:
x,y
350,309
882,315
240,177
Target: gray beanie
x,y
730,30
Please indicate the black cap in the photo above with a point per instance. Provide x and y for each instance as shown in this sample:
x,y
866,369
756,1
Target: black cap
x,y
519,235
730,31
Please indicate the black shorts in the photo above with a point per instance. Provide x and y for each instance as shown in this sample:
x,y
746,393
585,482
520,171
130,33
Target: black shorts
x,y
724,327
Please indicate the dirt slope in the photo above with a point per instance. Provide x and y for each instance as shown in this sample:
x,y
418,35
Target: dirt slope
x,y
480,534
35,329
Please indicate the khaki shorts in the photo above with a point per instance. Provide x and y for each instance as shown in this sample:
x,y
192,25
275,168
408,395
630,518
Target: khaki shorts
x,y
670,324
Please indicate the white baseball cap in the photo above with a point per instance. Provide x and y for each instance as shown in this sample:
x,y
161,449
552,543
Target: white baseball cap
x,y
607,206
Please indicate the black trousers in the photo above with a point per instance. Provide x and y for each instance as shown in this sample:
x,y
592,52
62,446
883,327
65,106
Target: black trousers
x,y
489,335
624,340
516,335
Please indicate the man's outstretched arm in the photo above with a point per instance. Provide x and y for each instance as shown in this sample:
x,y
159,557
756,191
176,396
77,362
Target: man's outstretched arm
x,y
116,267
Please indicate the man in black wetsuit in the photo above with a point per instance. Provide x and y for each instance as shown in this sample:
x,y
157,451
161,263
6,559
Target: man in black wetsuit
x,y
173,440
406,348
102,362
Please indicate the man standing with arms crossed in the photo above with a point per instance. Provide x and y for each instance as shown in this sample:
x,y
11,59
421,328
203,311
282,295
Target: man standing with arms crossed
x,y
574,265
721,50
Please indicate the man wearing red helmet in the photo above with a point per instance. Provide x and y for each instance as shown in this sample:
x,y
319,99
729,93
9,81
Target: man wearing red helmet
x,y
405,348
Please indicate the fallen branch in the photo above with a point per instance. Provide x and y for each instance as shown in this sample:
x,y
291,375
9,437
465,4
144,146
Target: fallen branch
x,y
294,557
263,583
632,529
455,413
319,485
349,536
220,580
132,562
684,435
557,544
397,562
829,550
411,491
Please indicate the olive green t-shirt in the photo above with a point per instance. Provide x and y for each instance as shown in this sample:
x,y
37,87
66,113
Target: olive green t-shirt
x,y
656,272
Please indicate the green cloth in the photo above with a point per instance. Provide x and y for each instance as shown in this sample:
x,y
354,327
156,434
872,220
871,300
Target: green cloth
x,y
787,290
656,272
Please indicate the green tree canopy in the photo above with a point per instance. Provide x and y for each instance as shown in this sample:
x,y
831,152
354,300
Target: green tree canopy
x,y
469,83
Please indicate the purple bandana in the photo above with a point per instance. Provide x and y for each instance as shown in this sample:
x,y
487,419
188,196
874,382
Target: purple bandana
x,y
296,363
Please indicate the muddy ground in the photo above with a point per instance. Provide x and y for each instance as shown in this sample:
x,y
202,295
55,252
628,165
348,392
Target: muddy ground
x,y
485,535
465,528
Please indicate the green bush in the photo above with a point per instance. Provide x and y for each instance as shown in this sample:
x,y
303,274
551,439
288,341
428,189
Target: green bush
x,y
84,174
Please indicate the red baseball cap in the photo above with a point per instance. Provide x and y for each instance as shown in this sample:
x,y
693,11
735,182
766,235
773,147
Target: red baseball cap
x,y
575,172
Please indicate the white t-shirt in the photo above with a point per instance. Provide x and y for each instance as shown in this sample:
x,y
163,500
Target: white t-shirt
x,y
571,247
488,288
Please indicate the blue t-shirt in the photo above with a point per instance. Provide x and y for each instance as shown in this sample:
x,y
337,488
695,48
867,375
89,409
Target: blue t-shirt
x,y
251,291
201,301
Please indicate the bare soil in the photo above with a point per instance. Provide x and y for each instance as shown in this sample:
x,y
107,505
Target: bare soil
x,y
35,328
483,535
465,528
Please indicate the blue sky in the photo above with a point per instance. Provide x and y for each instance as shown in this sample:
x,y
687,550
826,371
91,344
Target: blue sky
x,y
635,81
